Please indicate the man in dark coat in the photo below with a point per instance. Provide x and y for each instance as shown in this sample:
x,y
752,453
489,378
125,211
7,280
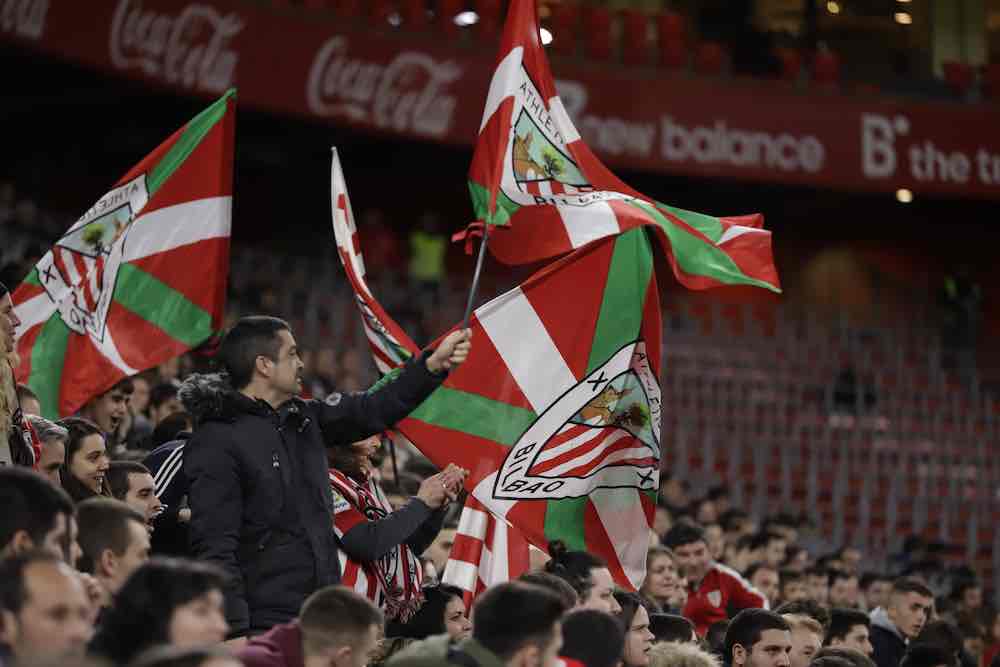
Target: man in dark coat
x,y
260,497
893,628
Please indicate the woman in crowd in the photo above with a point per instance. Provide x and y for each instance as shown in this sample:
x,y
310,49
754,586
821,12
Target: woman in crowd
x,y
638,638
663,585
166,601
84,474
443,612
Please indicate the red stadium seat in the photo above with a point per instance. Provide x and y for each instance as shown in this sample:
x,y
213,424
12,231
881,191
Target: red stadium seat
x,y
711,59
446,13
791,63
316,4
670,33
826,68
597,22
635,42
379,11
349,8
415,15
960,77
565,22
991,81
489,25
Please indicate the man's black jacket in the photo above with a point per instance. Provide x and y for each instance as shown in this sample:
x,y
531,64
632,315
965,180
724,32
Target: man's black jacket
x,y
260,495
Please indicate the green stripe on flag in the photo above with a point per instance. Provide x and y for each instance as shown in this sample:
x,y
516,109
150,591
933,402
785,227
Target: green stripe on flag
x,y
47,356
384,380
474,414
564,520
506,207
162,306
698,258
32,278
706,224
192,135
624,296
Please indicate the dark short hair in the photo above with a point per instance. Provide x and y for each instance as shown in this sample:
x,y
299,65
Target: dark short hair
x,y
514,614
630,603
103,524
162,393
30,503
557,585
911,585
140,617
716,637
670,627
732,517
869,578
818,571
840,575
335,616
790,576
429,619
747,627
809,608
942,634
840,657
251,337
169,428
13,592
180,656
595,638
683,532
118,472
927,655
574,567
757,567
125,386
841,622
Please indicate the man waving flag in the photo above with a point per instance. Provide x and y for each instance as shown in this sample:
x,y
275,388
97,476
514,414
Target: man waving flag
x,y
140,277
533,176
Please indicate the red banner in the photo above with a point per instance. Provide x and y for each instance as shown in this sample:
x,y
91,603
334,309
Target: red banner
x,y
426,87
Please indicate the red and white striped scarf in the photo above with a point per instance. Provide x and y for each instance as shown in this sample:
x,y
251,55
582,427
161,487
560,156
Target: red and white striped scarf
x,y
394,581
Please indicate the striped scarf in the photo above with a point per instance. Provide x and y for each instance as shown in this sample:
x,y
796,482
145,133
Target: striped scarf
x,y
393,582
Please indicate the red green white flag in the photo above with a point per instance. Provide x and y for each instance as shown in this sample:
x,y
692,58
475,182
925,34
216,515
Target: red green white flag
x,y
140,277
557,410
535,178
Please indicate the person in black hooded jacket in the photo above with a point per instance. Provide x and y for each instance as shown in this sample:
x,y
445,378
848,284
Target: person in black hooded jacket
x,y
260,497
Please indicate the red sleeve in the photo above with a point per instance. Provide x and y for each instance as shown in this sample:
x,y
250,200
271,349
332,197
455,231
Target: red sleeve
x,y
742,595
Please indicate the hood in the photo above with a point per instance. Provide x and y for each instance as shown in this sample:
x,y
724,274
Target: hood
x,y
880,619
211,397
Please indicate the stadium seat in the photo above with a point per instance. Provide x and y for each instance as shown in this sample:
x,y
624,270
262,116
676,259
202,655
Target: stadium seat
x,y
959,76
671,40
447,10
597,23
379,12
415,16
711,59
826,68
349,8
565,22
635,40
489,24
791,63
991,81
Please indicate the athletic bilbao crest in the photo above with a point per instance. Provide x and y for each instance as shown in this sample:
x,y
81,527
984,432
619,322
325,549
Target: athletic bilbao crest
x,y
604,432
79,273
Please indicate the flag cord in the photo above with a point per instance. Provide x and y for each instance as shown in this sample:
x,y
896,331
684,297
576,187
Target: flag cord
x,y
475,277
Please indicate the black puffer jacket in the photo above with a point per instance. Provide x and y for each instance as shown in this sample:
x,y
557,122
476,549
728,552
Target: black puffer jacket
x,y
260,495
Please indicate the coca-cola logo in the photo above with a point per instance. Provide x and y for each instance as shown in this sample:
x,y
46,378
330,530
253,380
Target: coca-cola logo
x,y
189,49
409,94
25,18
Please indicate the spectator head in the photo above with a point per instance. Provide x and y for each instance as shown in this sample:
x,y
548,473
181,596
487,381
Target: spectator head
x,y
687,541
850,559
720,495
671,628
758,638
28,400
86,466
785,525
928,655
339,628
793,586
809,608
519,623
638,637
736,523
261,351
132,483
968,595
680,654
163,402
942,634
165,601
674,490
36,516
807,639
704,511
662,520
716,540
745,551
818,583
443,611
849,628
843,589
188,656
594,638
53,438
876,588
440,548
910,605
141,384
774,550
765,579
587,574
114,541
44,609
715,638
662,581
796,559
107,410
9,321
170,427
557,585
841,657
973,637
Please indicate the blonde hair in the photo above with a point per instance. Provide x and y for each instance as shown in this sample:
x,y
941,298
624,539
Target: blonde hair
x,y
680,654
658,550
803,622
